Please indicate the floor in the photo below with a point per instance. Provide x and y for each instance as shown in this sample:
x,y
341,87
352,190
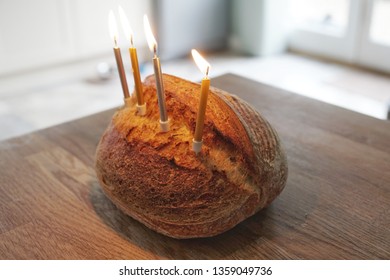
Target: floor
x,y
46,97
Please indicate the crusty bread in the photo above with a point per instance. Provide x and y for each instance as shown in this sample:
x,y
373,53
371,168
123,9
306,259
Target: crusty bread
x,y
157,179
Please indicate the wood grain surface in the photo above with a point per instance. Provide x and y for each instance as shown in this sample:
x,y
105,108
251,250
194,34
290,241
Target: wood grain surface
x,y
336,204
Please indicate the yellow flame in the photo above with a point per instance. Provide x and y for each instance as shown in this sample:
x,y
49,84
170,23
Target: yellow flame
x,y
112,27
202,63
125,25
149,35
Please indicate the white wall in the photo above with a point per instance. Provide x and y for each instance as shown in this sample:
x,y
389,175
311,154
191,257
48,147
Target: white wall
x,y
45,32
259,27
182,25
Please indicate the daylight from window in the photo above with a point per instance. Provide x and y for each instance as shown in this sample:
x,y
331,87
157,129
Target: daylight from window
x,y
330,16
380,24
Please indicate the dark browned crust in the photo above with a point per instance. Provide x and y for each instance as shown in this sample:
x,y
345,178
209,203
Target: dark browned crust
x,y
156,178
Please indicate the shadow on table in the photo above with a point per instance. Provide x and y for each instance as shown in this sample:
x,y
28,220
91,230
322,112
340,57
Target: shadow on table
x,y
232,244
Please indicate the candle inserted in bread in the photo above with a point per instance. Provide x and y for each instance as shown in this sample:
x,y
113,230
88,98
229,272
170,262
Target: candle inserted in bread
x,y
204,67
141,105
164,122
122,75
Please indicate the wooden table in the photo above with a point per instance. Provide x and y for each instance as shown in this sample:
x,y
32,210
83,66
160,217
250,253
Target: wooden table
x,y
336,204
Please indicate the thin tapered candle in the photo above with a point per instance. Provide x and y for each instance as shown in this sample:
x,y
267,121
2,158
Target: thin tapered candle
x,y
141,106
204,92
204,67
137,76
114,35
164,122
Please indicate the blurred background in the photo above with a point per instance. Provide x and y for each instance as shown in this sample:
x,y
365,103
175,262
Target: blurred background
x,y
57,64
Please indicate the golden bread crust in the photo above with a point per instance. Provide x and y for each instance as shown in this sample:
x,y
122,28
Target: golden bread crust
x,y
157,179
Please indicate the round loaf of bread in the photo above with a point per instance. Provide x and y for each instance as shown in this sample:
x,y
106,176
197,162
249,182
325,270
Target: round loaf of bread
x,y
157,179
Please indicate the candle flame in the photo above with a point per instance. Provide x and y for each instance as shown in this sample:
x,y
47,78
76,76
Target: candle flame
x,y
125,25
149,35
112,27
202,63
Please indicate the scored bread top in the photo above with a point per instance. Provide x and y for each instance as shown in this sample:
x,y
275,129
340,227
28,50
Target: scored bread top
x,y
223,129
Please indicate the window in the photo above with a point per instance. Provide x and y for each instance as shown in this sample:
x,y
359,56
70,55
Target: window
x,y
355,31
